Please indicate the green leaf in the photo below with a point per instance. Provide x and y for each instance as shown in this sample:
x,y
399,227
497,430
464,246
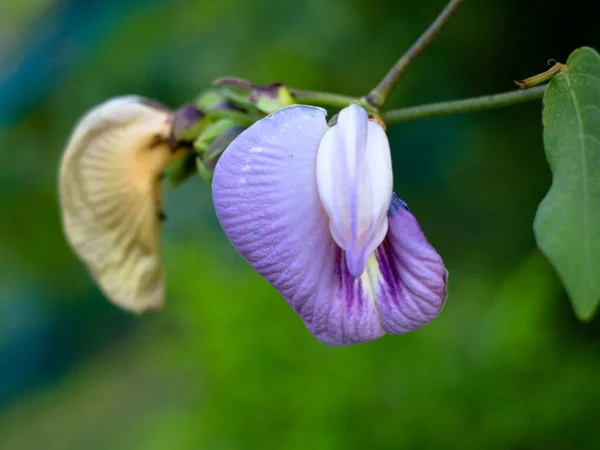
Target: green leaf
x,y
567,224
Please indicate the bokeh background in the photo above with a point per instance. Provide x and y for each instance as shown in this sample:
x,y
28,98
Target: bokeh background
x,y
227,364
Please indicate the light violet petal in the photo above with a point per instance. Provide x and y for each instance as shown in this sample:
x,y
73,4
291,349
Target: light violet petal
x,y
354,177
265,197
411,278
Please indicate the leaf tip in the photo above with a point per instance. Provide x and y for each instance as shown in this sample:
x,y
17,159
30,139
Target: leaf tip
x,y
585,313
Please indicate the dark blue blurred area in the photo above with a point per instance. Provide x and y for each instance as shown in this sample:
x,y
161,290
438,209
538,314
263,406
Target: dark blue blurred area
x,y
226,364
25,331
64,38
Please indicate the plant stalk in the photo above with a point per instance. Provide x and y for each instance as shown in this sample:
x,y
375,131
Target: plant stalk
x,y
377,97
464,106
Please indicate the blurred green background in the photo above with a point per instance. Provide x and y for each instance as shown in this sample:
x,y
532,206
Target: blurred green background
x,y
227,364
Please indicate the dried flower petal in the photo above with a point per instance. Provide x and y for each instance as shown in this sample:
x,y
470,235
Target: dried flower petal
x,y
111,199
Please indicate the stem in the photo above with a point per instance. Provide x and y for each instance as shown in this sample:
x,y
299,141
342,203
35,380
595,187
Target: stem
x,y
377,97
324,98
464,106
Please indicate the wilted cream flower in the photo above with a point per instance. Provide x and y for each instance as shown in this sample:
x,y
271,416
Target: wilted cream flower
x,y
111,199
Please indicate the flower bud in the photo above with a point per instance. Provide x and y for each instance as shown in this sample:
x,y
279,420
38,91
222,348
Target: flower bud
x,y
186,124
266,99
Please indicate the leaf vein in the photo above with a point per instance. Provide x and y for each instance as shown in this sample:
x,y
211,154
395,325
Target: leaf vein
x,y
581,132
591,107
584,75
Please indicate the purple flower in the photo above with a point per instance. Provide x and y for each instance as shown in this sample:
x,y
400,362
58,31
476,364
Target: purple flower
x,y
312,210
